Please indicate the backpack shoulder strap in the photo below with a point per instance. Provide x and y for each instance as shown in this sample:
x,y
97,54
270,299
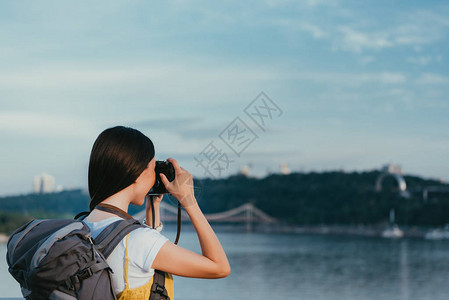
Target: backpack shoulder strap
x,y
158,290
109,238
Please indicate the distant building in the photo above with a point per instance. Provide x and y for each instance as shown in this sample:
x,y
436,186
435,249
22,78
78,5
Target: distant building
x,y
44,183
390,168
245,170
284,169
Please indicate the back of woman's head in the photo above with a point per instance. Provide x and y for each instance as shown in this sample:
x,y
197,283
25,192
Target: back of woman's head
x,y
119,155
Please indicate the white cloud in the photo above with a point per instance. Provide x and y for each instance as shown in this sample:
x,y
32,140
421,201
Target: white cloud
x,y
356,41
420,60
307,3
352,78
432,78
316,31
277,3
67,75
314,2
295,25
45,125
413,29
367,59
48,77
82,82
421,27
424,60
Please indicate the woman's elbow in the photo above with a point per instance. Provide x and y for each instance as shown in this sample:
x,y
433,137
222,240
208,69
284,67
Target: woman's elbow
x,y
223,271
227,271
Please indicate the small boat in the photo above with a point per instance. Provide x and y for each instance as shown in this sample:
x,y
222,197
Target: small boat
x,y
393,232
437,234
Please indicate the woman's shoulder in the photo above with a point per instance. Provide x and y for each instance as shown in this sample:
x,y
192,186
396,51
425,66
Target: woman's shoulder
x,y
146,233
144,236
144,245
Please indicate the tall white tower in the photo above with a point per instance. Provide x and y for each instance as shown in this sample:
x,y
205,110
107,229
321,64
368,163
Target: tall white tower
x,y
37,184
44,183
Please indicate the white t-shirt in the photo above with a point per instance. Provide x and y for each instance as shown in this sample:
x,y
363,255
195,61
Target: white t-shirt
x,y
144,244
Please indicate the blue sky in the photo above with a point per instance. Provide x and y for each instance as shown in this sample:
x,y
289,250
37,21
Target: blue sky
x,y
360,83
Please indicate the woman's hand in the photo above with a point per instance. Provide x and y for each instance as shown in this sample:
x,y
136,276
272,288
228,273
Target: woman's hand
x,y
182,186
171,258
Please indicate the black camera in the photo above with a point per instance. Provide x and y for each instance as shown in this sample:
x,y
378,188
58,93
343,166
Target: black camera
x,y
165,167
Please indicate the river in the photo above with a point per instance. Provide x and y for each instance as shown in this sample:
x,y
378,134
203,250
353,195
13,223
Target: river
x,y
318,267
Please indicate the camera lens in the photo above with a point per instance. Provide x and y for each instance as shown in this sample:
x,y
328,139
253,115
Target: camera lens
x,y
168,170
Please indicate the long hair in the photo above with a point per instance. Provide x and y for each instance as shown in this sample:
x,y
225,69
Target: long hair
x,y
119,155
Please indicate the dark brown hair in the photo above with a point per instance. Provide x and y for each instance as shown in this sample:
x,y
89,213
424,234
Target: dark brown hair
x,y
119,155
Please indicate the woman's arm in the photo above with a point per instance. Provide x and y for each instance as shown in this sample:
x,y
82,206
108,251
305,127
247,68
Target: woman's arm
x,y
213,262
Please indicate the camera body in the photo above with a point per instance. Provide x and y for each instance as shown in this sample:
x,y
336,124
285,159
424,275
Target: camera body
x,y
165,167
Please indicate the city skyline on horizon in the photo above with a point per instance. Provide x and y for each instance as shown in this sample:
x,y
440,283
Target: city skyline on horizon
x,y
244,170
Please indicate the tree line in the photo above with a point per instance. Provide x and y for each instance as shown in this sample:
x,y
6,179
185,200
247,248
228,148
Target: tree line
x,y
295,199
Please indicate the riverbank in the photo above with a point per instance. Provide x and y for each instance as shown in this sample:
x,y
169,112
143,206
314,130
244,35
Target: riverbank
x,y
360,230
368,231
3,238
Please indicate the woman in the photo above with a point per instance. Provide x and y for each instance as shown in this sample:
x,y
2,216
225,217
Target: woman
x,y
121,172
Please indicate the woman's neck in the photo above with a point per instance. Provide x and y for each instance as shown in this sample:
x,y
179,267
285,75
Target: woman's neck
x,y
118,201
121,200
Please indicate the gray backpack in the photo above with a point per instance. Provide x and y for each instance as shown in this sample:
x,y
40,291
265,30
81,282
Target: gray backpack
x,y
58,259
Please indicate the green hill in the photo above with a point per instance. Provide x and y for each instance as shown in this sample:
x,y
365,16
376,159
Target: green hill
x,y
296,199
328,198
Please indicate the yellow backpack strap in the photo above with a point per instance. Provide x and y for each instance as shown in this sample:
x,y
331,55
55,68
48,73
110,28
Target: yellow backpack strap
x,y
126,263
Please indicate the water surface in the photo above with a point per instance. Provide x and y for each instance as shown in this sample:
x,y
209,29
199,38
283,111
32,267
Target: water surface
x,y
292,266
